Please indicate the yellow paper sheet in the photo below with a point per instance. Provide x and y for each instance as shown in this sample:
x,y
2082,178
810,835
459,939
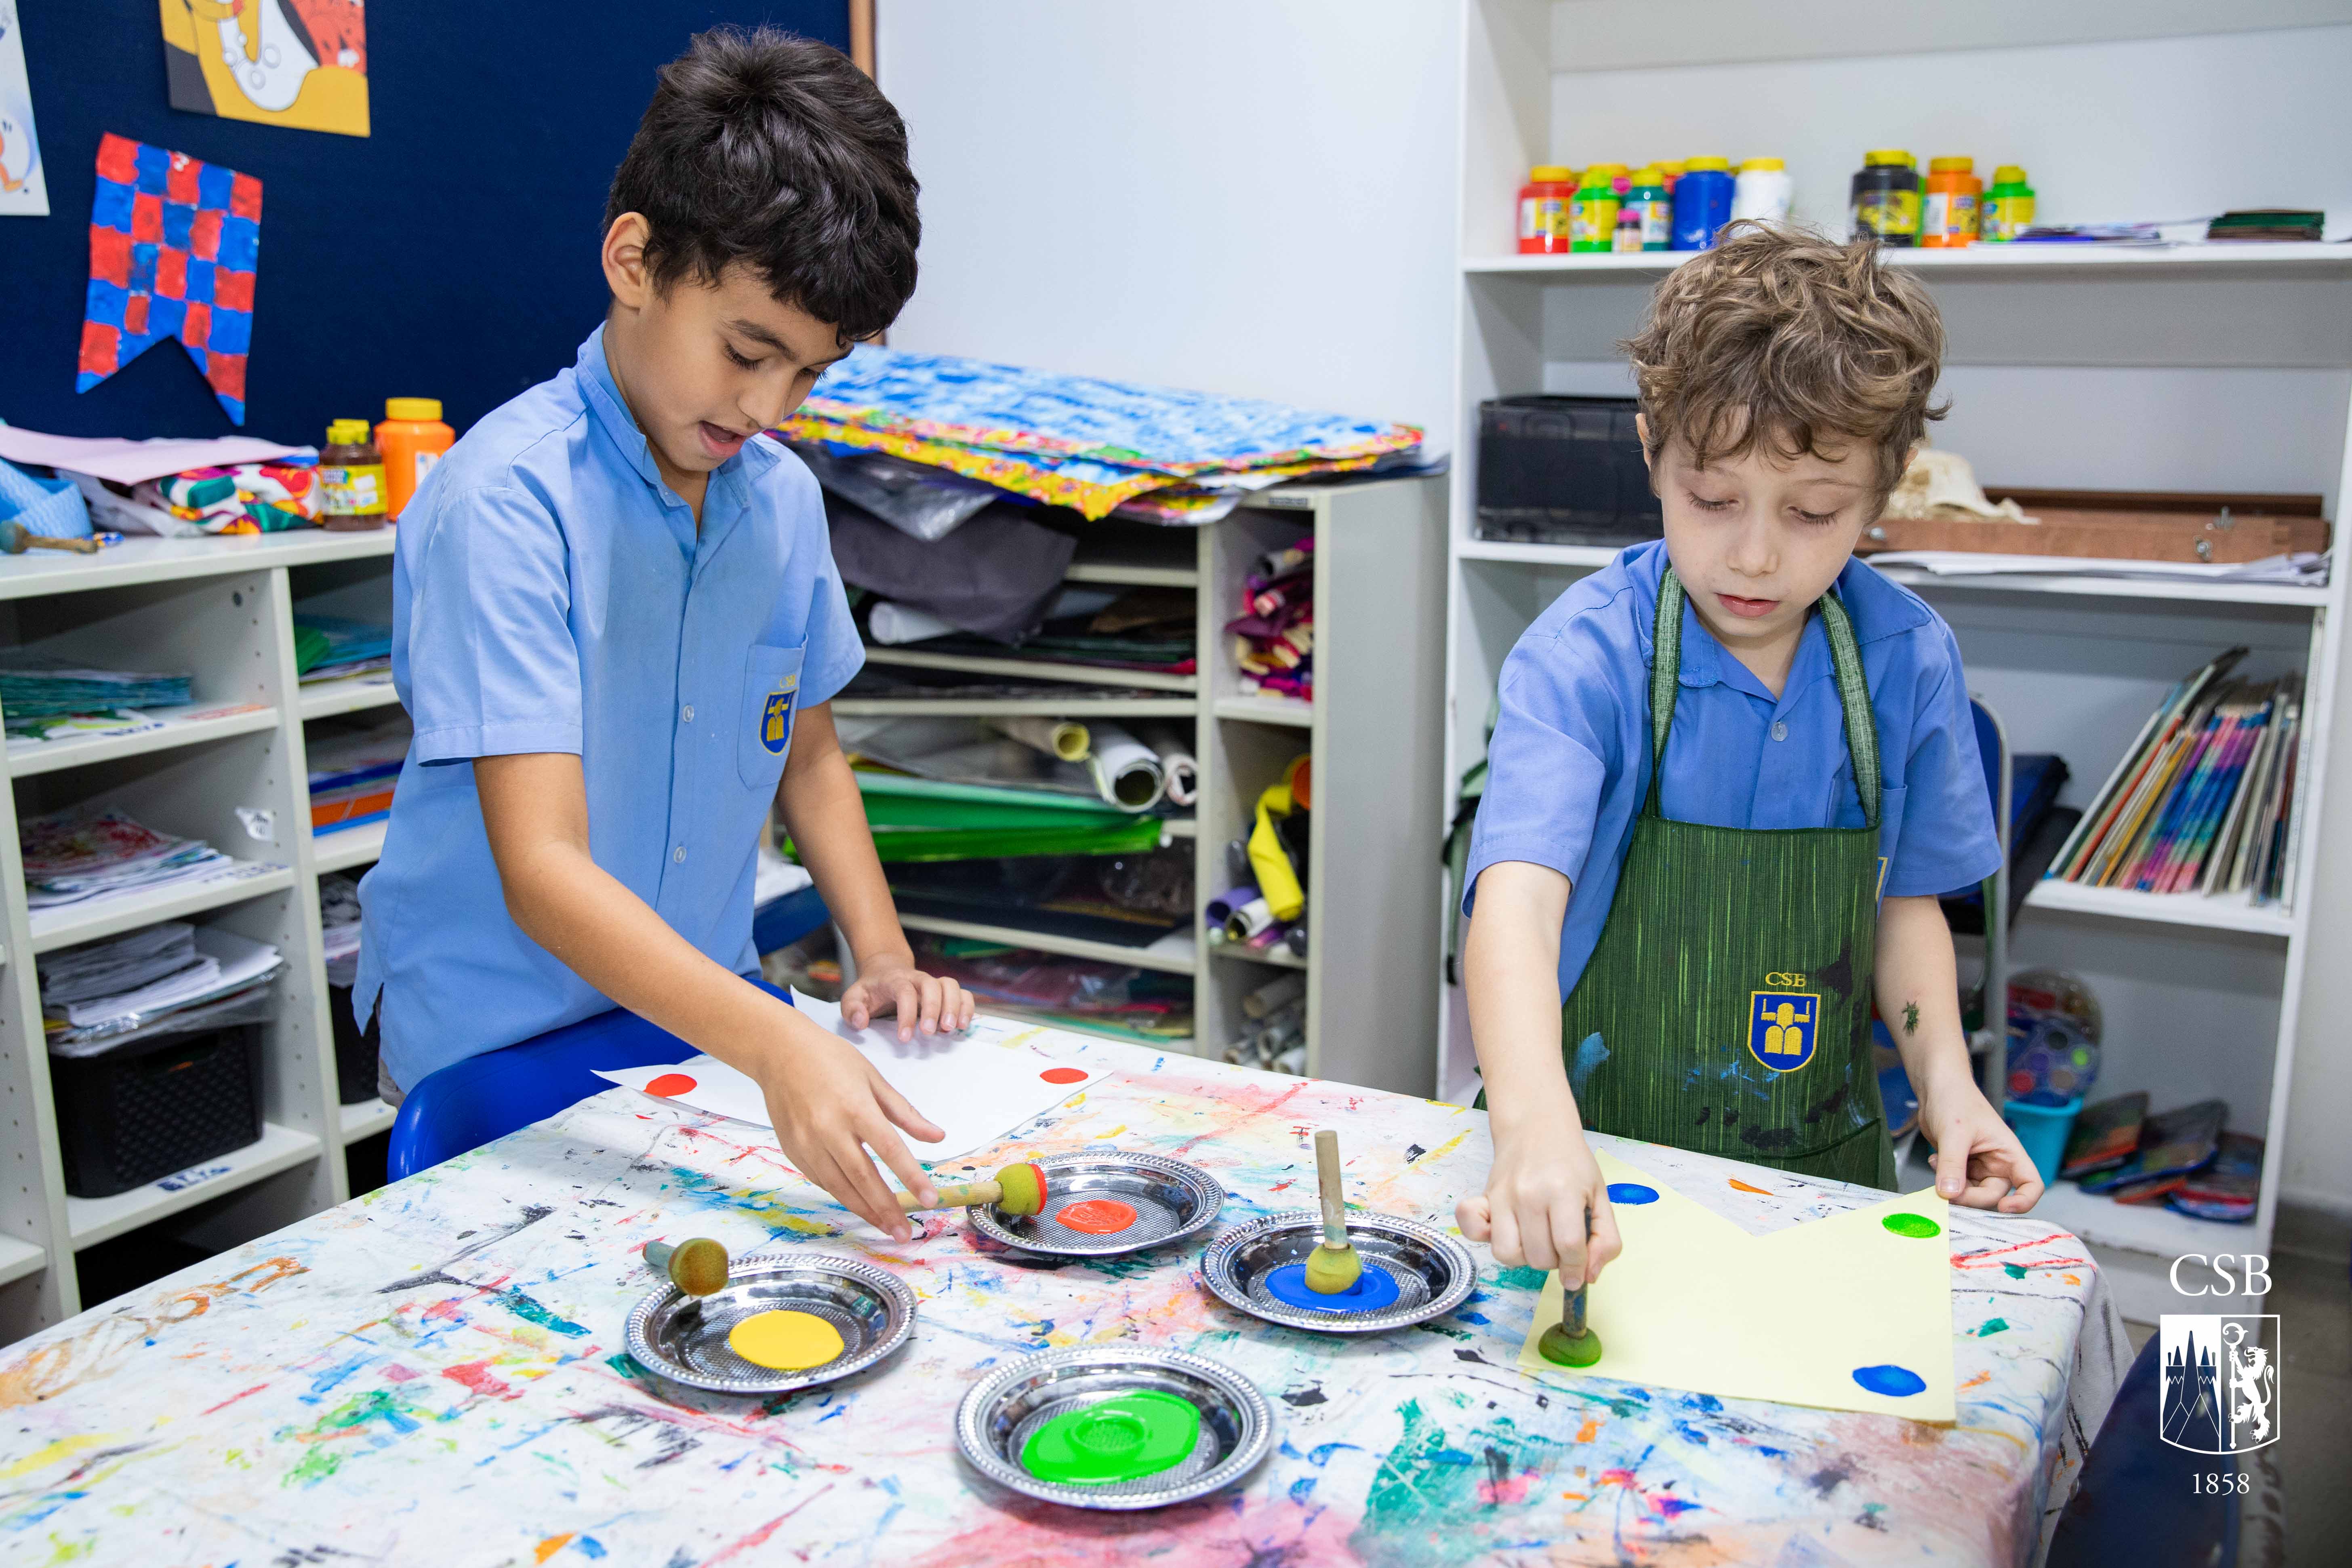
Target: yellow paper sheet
x,y
1697,1303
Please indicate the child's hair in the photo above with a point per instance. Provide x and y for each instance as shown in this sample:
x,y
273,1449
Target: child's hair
x,y
774,151
1781,336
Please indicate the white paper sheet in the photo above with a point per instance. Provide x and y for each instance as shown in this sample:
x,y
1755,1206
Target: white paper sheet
x,y
977,1087
128,462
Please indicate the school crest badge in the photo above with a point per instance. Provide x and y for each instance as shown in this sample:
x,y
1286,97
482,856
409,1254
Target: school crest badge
x,y
1782,1026
776,717
2220,1385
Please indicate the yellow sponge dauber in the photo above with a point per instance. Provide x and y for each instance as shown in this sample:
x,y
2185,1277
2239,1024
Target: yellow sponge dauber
x,y
1016,1190
1333,1266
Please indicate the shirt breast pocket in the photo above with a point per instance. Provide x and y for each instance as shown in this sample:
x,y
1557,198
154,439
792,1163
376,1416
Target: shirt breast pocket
x,y
771,690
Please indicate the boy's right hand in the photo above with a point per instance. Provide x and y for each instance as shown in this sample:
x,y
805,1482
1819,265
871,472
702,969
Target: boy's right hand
x,y
828,1106
1538,1191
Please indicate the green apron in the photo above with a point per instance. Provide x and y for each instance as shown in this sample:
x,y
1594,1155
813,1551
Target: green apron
x,y
1727,1005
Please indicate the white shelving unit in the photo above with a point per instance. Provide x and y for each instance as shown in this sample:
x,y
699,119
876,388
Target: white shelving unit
x,y
222,609
1379,625
2200,996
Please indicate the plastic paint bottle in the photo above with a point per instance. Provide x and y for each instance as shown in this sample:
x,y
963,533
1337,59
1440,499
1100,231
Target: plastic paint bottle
x,y
1702,202
1948,218
1592,213
1543,209
1763,191
1652,211
412,439
351,478
2007,207
1886,200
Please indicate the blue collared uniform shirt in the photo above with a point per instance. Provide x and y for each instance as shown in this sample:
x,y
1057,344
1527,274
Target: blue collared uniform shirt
x,y
551,594
1567,767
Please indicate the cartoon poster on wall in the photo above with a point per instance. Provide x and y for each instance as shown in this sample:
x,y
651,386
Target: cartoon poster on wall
x,y
298,63
23,190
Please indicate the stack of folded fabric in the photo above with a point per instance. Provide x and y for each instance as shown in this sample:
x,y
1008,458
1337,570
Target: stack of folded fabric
x,y
249,498
1114,999
102,989
41,692
354,766
1273,636
328,647
911,435
81,853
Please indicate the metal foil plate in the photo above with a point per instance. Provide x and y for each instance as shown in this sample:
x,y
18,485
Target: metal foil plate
x,y
684,1338
1001,1411
1433,1271
1172,1200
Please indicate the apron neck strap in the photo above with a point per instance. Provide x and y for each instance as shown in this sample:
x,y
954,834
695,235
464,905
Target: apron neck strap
x,y
1846,660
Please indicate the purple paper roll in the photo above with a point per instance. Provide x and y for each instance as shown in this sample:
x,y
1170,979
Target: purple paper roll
x,y
1221,907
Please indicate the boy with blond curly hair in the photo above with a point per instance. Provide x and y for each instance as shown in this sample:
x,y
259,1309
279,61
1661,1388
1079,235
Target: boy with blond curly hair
x,y
1732,772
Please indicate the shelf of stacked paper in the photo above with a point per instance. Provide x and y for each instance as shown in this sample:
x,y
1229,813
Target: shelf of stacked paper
x,y
90,873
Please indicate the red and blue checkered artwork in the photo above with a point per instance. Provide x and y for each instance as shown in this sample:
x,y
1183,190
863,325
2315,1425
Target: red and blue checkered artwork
x,y
172,248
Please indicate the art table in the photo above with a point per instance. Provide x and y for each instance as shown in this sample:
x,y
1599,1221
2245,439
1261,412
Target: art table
x,y
434,1373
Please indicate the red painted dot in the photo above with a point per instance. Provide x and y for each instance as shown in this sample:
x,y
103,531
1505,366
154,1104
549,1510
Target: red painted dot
x,y
670,1083
1097,1216
1065,1075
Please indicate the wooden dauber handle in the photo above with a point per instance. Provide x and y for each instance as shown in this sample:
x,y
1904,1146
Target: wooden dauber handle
x,y
1326,1176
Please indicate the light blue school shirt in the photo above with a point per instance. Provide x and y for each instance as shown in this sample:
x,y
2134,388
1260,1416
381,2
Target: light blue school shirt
x,y
551,594
1569,765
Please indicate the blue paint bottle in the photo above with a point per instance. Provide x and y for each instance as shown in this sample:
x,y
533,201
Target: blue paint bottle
x,y
1702,202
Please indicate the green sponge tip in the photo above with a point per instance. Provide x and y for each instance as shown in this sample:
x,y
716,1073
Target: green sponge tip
x,y
1563,1349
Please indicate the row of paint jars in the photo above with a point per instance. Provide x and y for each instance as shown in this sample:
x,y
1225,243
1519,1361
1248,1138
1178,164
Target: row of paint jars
x,y
1657,207
1949,209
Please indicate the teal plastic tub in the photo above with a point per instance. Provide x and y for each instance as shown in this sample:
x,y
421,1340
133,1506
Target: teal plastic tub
x,y
2043,1129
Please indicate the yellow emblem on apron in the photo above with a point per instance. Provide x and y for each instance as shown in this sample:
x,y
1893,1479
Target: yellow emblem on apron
x,y
776,718
1780,1027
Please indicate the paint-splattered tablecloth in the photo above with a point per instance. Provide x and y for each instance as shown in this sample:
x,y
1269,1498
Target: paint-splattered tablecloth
x,y
435,1373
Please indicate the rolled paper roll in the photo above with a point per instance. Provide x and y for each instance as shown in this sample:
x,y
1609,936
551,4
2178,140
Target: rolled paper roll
x,y
1220,908
1064,740
1249,920
894,624
1127,773
1273,995
1176,764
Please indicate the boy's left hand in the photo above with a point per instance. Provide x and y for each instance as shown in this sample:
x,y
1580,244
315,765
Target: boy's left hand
x,y
1979,1164
930,1003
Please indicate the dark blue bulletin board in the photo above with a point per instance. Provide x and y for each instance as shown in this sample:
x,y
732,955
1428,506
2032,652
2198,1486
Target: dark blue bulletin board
x,y
452,254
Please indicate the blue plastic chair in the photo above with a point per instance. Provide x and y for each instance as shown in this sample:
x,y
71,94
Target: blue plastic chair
x,y
2135,1504
482,1099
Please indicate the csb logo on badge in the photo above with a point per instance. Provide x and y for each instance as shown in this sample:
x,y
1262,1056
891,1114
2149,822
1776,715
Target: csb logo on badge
x,y
2221,1385
776,718
1782,1027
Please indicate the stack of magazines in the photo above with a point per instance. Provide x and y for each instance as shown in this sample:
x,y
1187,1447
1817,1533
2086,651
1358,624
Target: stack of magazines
x,y
100,989
2203,801
79,853
40,691
328,647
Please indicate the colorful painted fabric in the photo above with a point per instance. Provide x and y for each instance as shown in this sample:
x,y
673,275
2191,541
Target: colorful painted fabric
x,y
174,244
249,498
1083,442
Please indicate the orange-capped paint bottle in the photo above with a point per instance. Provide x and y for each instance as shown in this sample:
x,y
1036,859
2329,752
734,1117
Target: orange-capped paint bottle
x,y
1951,213
1543,209
412,440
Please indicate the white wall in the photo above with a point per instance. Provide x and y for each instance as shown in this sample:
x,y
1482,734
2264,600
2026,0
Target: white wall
x,y
1253,197
2149,129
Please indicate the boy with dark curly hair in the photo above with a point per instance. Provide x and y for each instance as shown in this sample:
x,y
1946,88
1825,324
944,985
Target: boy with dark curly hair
x,y
617,626
1732,772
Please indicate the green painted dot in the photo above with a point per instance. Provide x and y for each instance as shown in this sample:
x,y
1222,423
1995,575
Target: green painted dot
x,y
1122,1438
1912,1224
2012,1270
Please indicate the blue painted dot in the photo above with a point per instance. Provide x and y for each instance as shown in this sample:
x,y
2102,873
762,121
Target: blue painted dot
x,y
1898,1381
1373,1290
1631,1193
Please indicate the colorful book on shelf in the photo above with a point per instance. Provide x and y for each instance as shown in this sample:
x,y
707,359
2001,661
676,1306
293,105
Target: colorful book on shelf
x,y
2124,785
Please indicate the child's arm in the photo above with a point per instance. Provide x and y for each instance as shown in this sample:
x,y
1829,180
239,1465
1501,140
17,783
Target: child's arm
x,y
821,810
1544,1179
1978,1161
825,1098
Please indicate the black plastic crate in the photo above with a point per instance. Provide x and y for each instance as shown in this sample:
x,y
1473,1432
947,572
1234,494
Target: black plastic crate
x,y
1564,471
148,1108
356,1049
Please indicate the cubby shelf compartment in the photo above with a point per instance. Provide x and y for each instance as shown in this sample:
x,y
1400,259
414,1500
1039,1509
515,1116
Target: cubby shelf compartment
x,y
155,729
18,1258
1279,956
1014,707
2218,911
94,1220
367,1119
1268,710
350,695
